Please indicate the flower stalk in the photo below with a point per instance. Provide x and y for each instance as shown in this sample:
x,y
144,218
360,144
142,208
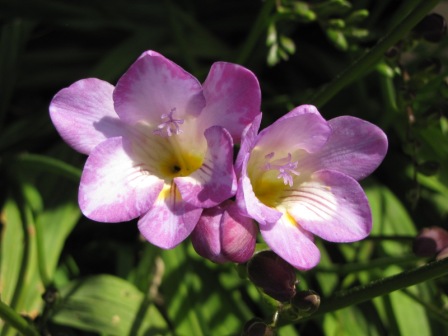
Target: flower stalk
x,y
359,294
366,61
11,317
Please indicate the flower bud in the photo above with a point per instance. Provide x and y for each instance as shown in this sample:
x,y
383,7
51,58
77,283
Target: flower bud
x,y
256,327
442,254
430,241
432,28
273,275
224,235
305,302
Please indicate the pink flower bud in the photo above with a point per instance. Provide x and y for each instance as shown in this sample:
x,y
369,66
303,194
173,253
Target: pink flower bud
x,y
224,235
430,241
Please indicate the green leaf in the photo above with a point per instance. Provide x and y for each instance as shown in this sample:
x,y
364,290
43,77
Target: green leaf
x,y
21,287
108,305
407,310
349,321
390,218
200,301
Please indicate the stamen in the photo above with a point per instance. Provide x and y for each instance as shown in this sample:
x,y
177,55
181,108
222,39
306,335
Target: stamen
x,y
285,167
169,127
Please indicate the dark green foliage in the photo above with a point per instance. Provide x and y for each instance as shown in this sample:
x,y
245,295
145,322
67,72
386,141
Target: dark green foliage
x,y
103,279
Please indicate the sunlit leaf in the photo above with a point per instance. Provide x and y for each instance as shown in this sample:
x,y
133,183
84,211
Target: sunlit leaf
x,y
107,304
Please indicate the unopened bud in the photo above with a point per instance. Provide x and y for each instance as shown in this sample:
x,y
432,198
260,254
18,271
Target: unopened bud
x,y
273,275
432,28
442,254
306,302
430,241
256,327
223,235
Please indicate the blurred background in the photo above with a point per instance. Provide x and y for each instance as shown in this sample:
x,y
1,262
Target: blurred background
x,y
73,276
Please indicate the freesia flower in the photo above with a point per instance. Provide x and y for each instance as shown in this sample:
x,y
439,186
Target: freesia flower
x,y
298,178
159,145
224,235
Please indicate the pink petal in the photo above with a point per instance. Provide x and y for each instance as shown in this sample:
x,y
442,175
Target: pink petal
x,y
332,206
84,114
355,147
307,131
154,86
113,187
233,98
249,204
215,180
291,242
299,110
247,142
170,220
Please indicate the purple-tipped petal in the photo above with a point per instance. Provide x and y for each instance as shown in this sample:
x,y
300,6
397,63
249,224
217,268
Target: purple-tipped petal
x,y
233,98
84,114
300,110
249,204
215,180
331,205
223,235
291,242
154,86
355,147
113,187
170,219
307,132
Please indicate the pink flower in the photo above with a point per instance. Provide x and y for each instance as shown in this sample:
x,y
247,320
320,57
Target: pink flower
x,y
224,235
298,178
160,145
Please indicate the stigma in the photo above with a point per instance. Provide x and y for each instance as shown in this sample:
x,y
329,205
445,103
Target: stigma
x,y
169,127
285,167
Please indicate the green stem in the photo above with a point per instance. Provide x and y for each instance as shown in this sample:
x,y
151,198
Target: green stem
x,y
366,266
48,165
257,29
179,36
370,58
11,317
382,287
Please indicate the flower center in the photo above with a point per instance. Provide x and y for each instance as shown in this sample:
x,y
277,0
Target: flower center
x,y
285,167
170,126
